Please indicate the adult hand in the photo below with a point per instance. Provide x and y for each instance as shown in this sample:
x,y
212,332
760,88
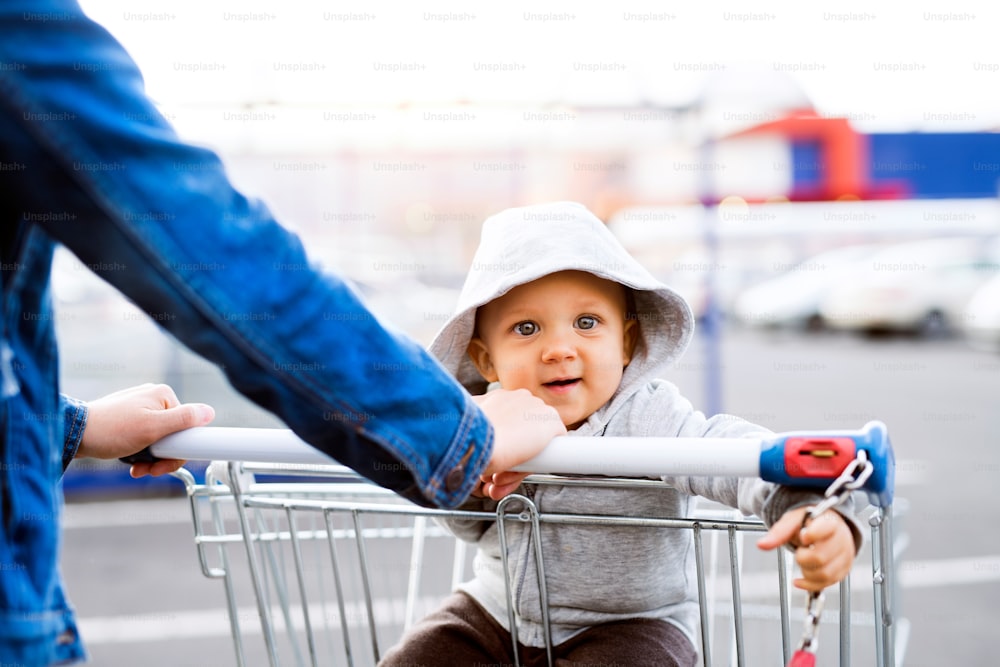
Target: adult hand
x,y
523,425
824,549
130,420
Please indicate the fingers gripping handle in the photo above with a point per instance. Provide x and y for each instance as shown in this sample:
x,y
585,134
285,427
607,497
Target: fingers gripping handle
x,y
814,458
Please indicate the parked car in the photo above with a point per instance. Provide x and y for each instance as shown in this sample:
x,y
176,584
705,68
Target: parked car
x,y
918,286
793,298
981,320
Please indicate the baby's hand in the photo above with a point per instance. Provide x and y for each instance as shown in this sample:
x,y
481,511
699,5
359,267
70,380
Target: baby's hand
x,y
824,548
501,484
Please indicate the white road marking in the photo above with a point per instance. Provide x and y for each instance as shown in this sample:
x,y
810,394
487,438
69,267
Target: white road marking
x,y
192,624
949,571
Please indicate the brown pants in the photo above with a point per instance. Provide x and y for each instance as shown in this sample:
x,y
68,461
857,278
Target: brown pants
x,y
462,634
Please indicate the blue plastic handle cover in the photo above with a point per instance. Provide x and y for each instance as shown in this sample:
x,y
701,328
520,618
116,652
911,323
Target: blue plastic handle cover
x,y
873,438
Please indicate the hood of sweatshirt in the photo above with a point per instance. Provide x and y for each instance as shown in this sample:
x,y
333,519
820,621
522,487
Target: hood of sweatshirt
x,y
520,245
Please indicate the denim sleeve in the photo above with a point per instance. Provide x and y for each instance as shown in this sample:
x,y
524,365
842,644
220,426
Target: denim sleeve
x,y
107,176
74,414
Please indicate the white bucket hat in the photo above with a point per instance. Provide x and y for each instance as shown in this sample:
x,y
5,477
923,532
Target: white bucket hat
x,y
520,245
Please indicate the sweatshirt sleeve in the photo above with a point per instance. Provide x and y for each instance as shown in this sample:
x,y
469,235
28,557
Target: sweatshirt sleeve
x,y
750,495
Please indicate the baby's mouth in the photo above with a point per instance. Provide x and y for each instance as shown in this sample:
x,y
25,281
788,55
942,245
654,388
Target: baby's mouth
x,y
562,383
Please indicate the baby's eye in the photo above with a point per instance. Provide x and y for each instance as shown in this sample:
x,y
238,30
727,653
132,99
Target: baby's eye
x,y
586,322
525,328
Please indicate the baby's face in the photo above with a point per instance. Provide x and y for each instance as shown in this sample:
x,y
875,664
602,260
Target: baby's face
x,y
563,337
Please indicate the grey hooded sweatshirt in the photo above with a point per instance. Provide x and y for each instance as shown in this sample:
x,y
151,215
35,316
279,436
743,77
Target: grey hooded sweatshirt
x,y
598,574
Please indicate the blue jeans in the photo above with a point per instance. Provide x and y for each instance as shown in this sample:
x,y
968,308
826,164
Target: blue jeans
x,y
87,161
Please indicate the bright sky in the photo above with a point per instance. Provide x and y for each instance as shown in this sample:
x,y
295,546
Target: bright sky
x,y
889,66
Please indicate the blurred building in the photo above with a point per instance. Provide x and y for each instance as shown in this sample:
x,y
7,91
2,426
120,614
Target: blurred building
x,y
394,198
829,160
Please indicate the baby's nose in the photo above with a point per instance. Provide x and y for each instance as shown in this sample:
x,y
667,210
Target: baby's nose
x,y
558,347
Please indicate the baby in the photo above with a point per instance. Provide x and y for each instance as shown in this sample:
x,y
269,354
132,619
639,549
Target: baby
x,y
555,305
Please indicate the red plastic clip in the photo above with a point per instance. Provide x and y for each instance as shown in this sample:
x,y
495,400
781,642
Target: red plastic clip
x,y
802,659
818,457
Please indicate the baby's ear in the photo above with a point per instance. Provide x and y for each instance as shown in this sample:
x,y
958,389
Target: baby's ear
x,y
480,356
631,336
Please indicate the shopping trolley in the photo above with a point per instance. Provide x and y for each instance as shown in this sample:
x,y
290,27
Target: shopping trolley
x,y
321,567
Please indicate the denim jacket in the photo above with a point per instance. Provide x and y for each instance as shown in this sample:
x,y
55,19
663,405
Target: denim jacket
x,y
87,161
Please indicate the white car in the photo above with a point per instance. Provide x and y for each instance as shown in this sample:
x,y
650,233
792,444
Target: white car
x,y
981,320
793,298
918,286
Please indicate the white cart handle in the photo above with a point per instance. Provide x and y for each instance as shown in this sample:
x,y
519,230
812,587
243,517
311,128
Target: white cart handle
x,y
622,457
807,458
